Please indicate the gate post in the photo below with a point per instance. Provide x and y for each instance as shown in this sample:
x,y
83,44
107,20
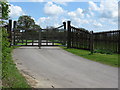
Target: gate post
x,y
14,26
64,37
68,34
91,42
10,32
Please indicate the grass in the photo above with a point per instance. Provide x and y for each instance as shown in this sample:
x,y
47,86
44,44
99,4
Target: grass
x,y
12,78
107,59
24,42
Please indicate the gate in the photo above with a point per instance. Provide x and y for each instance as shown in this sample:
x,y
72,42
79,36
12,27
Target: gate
x,y
25,37
71,37
42,37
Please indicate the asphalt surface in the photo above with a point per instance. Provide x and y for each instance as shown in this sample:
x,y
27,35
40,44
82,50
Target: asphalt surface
x,y
57,68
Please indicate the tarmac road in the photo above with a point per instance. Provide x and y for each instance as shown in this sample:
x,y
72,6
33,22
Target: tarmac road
x,y
57,68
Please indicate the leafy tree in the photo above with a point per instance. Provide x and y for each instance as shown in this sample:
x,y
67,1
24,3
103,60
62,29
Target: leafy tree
x,y
25,22
4,10
36,26
83,29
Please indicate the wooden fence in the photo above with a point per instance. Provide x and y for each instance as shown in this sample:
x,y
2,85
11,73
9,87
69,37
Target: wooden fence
x,y
79,38
83,39
108,41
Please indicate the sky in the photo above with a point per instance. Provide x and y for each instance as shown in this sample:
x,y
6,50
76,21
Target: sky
x,y
93,16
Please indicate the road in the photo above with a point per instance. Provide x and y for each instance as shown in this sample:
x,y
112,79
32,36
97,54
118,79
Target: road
x,y
57,68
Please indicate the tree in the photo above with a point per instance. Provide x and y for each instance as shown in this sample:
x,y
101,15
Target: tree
x,y
25,22
36,26
4,10
83,29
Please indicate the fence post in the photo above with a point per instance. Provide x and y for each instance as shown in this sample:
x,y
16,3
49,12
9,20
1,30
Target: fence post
x,y
91,42
64,37
68,34
10,32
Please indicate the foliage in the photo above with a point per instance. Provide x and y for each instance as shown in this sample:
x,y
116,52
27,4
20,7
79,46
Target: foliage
x,y
26,22
11,78
103,51
36,26
5,10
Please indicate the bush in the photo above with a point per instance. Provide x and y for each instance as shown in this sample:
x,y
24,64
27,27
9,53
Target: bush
x,y
103,51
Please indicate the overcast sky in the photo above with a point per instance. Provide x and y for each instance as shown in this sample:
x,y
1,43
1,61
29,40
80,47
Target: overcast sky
x,y
96,16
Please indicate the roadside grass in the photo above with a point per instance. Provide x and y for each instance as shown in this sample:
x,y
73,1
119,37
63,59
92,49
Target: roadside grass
x,y
108,59
12,78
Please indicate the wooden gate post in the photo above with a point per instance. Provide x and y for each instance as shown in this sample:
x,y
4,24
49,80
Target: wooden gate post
x,y
14,26
64,38
10,32
91,42
68,34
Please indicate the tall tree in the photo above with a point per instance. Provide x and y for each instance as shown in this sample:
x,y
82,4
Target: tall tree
x,y
25,22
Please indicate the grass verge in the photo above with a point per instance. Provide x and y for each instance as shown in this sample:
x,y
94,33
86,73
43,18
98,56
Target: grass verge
x,y
12,78
108,59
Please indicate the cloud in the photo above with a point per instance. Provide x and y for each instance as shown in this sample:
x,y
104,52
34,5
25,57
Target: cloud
x,y
50,21
15,11
97,24
44,21
107,9
93,6
77,13
52,9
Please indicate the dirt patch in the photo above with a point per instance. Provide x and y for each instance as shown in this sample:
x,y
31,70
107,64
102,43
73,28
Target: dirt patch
x,y
30,79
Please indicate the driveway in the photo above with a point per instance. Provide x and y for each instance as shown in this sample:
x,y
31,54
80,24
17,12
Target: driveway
x,y
54,67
